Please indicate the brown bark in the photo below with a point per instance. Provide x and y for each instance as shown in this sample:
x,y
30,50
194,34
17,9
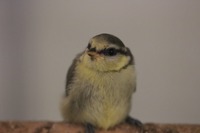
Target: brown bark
x,y
61,127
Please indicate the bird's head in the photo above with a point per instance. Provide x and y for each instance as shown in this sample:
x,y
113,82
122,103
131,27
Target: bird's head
x,y
106,53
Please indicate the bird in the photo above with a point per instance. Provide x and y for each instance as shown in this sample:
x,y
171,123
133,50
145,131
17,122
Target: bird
x,y
99,85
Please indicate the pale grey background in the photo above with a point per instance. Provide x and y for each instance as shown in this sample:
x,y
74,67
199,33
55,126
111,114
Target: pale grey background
x,y
39,39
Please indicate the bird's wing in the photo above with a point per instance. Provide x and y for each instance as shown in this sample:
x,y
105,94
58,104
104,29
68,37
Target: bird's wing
x,y
70,74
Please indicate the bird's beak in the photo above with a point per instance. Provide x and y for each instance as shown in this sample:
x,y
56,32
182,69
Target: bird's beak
x,y
93,54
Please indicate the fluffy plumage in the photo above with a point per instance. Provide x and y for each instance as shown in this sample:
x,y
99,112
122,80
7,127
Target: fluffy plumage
x,y
100,83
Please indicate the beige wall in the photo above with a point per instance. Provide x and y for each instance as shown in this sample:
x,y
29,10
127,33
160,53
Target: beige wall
x,y
39,39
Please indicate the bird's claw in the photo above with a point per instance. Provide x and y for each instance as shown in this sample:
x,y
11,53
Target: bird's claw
x,y
134,122
89,128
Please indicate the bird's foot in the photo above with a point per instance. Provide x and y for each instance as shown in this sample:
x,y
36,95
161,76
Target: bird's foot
x,y
89,128
135,122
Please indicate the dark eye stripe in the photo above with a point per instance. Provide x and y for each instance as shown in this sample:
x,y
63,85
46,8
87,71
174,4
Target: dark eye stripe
x,y
92,49
89,46
112,52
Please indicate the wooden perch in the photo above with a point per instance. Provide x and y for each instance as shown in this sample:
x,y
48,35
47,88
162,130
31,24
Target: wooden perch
x,y
61,127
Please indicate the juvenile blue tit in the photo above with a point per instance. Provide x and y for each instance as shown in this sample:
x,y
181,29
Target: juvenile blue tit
x,y
100,84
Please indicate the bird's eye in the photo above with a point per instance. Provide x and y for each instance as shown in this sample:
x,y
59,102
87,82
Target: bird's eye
x,y
110,52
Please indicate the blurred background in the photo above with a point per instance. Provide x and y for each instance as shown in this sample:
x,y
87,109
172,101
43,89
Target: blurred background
x,y
40,38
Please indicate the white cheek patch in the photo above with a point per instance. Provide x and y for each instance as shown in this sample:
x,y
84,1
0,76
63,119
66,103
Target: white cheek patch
x,y
124,61
112,58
